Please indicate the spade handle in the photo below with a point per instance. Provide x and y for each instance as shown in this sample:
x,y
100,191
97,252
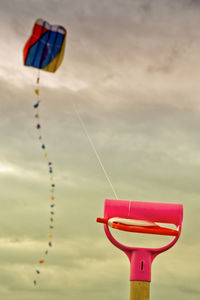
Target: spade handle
x,y
139,290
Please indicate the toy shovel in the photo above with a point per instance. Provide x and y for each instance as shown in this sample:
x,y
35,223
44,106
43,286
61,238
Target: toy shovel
x,y
141,217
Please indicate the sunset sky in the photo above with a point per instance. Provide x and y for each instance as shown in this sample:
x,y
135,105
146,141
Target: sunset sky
x,y
132,68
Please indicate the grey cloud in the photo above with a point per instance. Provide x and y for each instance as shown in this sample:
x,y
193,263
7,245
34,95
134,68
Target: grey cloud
x,y
190,291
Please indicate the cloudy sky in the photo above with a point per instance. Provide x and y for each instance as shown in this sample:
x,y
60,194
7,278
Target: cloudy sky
x,y
132,69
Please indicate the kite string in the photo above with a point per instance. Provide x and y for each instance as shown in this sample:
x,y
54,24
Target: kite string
x,y
83,126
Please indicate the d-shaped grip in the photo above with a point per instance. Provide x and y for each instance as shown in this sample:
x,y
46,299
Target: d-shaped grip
x,y
142,258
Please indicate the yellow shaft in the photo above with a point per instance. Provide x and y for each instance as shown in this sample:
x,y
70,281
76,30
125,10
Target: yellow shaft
x,y
139,290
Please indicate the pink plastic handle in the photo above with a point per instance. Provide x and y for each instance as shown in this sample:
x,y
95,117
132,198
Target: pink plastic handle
x,y
142,258
150,211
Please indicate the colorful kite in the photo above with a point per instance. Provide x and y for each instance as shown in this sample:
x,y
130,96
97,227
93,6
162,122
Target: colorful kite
x,y
44,50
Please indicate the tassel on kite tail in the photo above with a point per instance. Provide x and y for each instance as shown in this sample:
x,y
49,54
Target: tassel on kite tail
x,y
36,107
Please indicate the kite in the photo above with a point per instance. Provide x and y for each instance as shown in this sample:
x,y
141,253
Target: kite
x,y
44,50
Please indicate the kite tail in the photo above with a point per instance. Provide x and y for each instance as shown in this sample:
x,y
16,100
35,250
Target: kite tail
x,y
36,107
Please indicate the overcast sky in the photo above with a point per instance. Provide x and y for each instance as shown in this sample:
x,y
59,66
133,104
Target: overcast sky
x,y
132,68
